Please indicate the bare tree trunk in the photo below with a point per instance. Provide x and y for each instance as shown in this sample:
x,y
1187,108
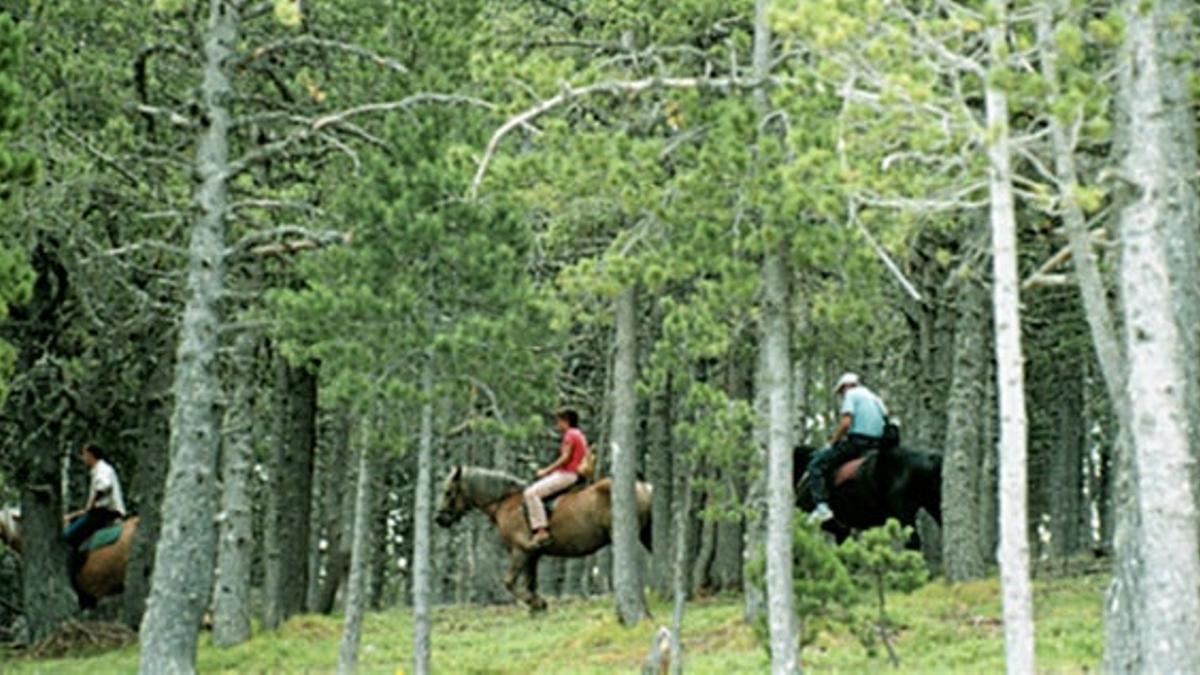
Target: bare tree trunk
x,y
627,559
756,494
290,502
183,562
231,593
781,612
704,555
149,483
659,467
1161,166
421,517
727,560
777,306
679,576
36,404
1014,537
962,546
338,564
360,557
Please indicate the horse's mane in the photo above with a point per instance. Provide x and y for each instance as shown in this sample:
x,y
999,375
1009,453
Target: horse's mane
x,y
490,485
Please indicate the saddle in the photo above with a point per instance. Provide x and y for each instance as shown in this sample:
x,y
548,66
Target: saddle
x,y
551,501
106,536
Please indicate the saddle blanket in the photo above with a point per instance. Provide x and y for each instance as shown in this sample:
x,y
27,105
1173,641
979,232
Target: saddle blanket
x,y
103,537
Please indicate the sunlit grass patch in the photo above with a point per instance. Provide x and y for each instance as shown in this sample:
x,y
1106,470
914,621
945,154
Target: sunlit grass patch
x,y
943,628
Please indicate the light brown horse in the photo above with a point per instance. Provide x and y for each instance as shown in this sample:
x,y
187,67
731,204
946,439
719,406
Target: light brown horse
x,y
102,573
580,525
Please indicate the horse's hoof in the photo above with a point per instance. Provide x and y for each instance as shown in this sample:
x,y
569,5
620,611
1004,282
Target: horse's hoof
x,y
537,606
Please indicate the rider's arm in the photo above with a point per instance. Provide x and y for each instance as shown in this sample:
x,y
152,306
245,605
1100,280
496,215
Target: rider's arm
x,y
842,427
564,455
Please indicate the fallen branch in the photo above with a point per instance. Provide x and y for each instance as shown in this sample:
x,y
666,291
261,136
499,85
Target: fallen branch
x,y
72,635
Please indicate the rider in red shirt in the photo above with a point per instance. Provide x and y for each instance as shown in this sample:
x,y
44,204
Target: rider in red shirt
x,y
559,476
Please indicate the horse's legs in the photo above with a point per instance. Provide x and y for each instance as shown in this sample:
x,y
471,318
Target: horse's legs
x,y
516,567
536,603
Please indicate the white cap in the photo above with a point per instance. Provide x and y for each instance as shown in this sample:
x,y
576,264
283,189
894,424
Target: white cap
x,y
846,380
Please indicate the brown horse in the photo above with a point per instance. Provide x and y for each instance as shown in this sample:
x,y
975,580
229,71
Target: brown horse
x,y
580,525
102,573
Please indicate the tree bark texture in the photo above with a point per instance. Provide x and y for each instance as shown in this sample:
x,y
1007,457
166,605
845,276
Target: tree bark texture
x,y
149,483
338,512
1014,536
627,559
679,575
422,569
182,577
35,403
1157,220
360,557
659,460
235,552
290,500
756,495
962,548
781,612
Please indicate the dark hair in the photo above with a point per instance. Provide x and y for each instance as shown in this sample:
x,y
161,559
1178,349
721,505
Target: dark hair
x,y
569,415
94,449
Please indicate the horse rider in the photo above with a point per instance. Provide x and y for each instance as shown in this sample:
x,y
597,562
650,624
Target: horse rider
x,y
105,505
861,420
559,476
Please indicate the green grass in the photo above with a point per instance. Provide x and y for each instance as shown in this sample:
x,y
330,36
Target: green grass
x,y
943,629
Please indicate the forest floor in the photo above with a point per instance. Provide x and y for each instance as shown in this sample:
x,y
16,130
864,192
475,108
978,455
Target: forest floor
x,y
942,628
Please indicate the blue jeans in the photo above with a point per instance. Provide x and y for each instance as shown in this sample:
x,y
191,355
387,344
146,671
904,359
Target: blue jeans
x,y
828,459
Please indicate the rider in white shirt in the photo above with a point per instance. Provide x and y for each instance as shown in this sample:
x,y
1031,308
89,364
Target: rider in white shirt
x,y
105,504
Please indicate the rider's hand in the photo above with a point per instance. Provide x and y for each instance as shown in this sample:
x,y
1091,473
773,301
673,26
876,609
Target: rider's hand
x,y
542,473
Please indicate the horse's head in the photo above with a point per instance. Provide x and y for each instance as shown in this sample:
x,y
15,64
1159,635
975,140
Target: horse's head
x,y
10,527
453,502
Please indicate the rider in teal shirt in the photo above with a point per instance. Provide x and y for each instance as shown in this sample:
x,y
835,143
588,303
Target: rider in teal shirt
x,y
861,419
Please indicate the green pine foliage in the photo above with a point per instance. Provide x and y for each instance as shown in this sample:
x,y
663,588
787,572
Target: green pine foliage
x,y
823,587
16,168
878,557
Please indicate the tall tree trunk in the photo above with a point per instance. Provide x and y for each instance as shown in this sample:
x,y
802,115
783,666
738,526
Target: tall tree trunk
x,y
1014,537
756,494
1161,165
962,547
183,562
1066,468
149,483
36,404
231,593
46,591
360,557
781,612
704,554
659,468
290,502
421,515
627,558
780,497
727,560
339,513
679,576
1109,354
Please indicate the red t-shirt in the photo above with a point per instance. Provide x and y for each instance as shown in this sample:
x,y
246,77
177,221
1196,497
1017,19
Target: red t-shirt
x,y
577,445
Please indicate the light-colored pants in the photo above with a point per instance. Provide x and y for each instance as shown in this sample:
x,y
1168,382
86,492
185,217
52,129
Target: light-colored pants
x,y
555,482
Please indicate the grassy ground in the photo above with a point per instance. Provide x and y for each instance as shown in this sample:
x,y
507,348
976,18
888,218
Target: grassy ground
x,y
944,629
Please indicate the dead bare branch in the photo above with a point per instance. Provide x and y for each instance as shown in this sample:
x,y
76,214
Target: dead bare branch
x,y
612,87
322,43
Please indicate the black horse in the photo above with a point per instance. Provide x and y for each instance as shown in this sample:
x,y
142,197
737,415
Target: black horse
x,y
869,490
